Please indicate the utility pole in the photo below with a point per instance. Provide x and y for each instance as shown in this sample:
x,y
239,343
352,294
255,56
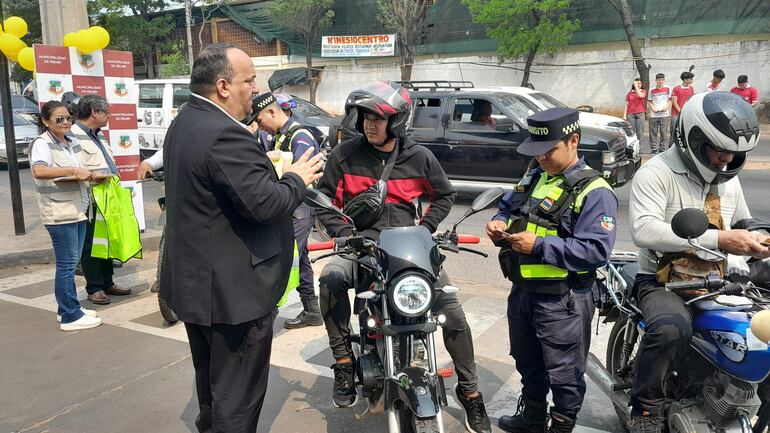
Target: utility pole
x,y
59,17
188,20
10,143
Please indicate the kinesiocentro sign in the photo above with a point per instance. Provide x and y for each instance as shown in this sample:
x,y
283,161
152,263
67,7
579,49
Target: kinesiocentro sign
x,y
358,46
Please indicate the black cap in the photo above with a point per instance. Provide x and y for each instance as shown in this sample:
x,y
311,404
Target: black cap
x,y
260,102
546,128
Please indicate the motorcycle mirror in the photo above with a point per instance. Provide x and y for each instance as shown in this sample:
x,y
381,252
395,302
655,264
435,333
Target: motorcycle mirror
x,y
317,200
486,198
689,223
760,326
483,201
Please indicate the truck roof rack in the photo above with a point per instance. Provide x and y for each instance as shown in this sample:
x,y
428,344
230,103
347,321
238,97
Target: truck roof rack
x,y
434,85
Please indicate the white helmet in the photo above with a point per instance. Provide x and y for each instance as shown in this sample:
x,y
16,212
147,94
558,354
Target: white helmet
x,y
721,120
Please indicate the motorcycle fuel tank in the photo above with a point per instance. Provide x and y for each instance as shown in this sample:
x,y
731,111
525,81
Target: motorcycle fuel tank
x,y
725,339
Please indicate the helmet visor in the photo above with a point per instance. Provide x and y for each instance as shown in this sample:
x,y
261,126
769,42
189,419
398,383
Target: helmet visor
x,y
716,159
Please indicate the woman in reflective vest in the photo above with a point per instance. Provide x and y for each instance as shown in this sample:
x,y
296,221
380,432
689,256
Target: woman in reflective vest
x,y
63,197
555,229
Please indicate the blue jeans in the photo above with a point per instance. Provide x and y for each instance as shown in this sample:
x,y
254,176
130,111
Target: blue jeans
x,y
67,245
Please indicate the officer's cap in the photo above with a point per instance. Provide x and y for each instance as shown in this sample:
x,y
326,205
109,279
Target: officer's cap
x,y
260,102
546,128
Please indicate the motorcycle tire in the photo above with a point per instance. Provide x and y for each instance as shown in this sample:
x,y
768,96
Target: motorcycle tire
x,y
166,311
614,351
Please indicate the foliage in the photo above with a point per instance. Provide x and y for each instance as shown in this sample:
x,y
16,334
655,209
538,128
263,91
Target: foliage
x,y
525,27
305,18
139,32
174,63
521,25
407,19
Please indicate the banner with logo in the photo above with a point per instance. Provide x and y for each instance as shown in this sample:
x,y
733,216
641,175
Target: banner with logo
x,y
105,73
358,46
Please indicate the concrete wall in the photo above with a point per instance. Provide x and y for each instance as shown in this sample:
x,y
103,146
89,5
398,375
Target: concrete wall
x,y
601,76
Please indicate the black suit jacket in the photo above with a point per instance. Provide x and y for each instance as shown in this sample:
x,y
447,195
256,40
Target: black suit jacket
x,y
229,235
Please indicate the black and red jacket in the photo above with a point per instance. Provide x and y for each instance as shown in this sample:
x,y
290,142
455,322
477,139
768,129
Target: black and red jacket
x,y
353,166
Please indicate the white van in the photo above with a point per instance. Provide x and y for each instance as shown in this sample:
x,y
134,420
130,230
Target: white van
x,y
158,102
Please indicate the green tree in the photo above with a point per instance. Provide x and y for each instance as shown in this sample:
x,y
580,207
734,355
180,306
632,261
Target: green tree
x,y
525,27
141,32
305,18
174,63
407,19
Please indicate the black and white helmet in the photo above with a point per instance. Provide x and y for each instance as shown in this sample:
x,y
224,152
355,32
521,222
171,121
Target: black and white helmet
x,y
721,120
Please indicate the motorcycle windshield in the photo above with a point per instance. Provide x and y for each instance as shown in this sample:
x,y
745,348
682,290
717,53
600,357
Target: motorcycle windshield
x,y
409,247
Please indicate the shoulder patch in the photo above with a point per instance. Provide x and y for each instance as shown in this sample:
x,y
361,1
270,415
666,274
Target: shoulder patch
x,y
608,223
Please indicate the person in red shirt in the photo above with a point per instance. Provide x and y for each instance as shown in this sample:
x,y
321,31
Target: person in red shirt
x,y
679,96
713,86
748,93
633,111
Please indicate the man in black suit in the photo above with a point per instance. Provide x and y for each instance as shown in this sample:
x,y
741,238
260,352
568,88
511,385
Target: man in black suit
x,y
229,240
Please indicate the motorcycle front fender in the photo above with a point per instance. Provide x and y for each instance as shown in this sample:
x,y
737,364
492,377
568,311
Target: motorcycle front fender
x,y
417,389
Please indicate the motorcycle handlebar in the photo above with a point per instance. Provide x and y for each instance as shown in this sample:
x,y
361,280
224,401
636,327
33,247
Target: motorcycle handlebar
x,y
686,285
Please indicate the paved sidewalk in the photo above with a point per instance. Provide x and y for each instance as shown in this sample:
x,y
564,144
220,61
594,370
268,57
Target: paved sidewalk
x,y
35,245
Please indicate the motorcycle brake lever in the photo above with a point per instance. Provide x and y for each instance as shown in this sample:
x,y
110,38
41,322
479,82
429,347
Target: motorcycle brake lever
x,y
481,253
333,253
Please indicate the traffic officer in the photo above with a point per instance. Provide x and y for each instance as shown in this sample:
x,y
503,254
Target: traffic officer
x,y
555,229
290,136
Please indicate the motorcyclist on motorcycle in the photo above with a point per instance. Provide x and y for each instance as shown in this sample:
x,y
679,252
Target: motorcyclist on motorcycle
x,y
713,136
352,168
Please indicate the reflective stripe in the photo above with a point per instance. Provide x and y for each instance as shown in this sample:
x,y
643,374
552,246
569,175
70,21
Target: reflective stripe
x,y
543,271
63,187
293,282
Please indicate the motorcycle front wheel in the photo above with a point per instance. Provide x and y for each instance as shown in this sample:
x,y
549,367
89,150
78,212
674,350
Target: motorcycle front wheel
x,y
615,347
166,311
411,424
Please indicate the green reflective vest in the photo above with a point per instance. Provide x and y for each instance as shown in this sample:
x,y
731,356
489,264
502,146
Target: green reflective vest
x,y
550,196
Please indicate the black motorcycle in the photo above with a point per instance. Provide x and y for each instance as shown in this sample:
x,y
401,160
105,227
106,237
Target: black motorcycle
x,y
396,284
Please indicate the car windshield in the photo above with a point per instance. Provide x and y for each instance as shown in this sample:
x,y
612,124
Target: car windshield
x,y
518,107
17,120
308,109
19,101
547,100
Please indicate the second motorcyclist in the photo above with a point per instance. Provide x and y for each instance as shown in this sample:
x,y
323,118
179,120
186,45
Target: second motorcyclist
x,y
352,168
714,133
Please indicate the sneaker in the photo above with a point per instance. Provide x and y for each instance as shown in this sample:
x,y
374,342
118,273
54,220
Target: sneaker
x,y
345,394
476,419
645,423
89,313
84,322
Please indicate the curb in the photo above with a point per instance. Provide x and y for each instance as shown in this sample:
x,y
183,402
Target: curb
x,y
44,256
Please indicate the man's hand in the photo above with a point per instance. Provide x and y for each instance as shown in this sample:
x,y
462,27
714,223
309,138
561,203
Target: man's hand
x,y
274,155
144,171
495,229
523,242
741,243
309,169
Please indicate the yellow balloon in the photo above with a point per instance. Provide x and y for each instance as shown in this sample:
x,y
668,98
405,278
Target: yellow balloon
x,y
70,40
101,35
26,58
10,45
86,41
16,26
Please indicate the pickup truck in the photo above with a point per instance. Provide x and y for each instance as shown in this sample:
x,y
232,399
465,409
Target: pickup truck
x,y
478,155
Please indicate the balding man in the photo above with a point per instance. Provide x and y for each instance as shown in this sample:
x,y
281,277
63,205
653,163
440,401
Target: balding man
x,y
229,240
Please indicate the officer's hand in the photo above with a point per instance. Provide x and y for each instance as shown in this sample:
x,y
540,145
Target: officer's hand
x,y
523,242
741,243
144,171
274,155
309,169
495,229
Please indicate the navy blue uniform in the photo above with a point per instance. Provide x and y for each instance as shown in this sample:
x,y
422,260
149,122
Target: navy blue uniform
x,y
550,334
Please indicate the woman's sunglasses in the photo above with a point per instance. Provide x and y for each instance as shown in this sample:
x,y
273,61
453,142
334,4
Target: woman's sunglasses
x,y
61,119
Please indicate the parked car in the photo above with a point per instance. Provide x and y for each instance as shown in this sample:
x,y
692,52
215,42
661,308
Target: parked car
x,y
478,155
160,100
25,132
26,107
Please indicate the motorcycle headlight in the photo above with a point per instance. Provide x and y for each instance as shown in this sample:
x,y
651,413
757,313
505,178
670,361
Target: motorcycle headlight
x,y
412,295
